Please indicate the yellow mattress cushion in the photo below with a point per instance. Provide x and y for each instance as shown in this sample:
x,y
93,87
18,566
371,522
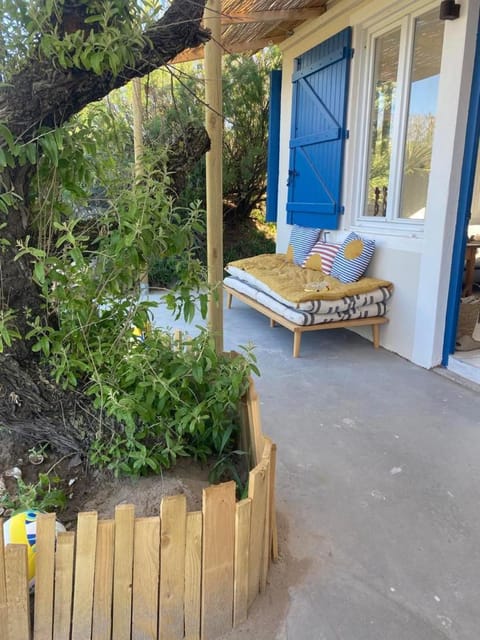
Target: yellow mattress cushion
x,y
295,283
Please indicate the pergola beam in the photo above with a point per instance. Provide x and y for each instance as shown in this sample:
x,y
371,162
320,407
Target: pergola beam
x,y
236,47
281,15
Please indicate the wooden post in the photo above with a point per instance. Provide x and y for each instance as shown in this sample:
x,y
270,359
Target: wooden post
x,y
138,149
137,110
214,173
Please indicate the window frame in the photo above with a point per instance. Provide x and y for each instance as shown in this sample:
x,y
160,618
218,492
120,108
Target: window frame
x,y
369,32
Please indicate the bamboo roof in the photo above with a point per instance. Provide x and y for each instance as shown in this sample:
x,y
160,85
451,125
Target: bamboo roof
x,y
250,25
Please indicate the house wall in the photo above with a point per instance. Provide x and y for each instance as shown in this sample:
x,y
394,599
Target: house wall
x,y
475,208
418,262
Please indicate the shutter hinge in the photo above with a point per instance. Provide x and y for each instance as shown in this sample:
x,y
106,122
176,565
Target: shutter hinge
x,y
341,210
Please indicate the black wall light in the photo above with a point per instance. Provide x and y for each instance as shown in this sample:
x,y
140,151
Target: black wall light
x,y
449,10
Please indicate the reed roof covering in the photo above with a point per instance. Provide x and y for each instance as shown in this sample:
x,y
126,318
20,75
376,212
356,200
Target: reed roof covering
x,y
250,25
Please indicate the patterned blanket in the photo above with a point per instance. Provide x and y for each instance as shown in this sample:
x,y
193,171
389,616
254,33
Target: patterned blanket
x,y
361,306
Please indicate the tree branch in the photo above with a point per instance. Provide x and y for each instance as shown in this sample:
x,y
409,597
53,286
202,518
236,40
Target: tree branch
x,y
44,95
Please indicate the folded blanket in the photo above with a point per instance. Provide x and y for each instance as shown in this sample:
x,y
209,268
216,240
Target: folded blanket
x,y
315,306
306,318
285,280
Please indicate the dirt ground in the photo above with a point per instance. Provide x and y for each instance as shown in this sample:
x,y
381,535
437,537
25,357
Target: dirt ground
x,y
94,491
91,490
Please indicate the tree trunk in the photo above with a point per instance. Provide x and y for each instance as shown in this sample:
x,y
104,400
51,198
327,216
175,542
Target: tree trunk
x,y
45,95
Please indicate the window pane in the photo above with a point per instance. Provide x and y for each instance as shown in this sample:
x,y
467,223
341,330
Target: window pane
x,y
427,53
382,110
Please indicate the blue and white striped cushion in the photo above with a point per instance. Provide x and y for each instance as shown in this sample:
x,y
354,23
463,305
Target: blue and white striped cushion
x,y
302,240
353,258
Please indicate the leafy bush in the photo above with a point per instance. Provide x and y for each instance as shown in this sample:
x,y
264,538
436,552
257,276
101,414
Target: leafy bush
x,y
176,100
172,401
46,494
162,401
162,272
249,240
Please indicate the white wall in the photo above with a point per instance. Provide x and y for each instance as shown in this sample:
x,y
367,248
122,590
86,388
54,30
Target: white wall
x,y
418,263
447,158
475,208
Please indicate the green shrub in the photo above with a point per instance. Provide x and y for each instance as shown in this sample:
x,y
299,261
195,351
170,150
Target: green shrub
x,y
161,401
162,272
253,243
46,494
172,400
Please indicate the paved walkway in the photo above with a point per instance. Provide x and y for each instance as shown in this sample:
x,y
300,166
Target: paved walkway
x,y
378,487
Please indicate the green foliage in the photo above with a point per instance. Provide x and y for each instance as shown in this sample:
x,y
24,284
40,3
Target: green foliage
x,y
162,272
177,100
231,465
173,401
252,238
165,401
46,494
162,401
246,102
101,35
418,148
89,285
8,330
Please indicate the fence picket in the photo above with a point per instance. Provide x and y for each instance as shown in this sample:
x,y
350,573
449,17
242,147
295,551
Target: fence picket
x,y
16,579
62,609
245,435
193,575
257,439
273,551
3,586
267,538
257,491
146,558
173,513
44,576
243,514
217,561
103,588
123,571
84,575
178,576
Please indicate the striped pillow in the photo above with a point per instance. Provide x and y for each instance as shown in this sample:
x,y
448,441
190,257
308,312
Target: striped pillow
x,y
302,240
353,258
321,257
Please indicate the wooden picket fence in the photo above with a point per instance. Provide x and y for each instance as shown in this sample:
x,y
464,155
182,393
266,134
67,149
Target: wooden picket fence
x,y
175,576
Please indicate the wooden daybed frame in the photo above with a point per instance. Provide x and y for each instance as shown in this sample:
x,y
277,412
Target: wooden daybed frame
x,y
297,329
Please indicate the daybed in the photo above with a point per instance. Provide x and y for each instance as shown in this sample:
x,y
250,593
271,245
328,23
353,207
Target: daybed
x,y
305,299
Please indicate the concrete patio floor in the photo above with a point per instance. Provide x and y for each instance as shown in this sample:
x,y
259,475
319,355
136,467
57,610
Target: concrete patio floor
x,y
378,483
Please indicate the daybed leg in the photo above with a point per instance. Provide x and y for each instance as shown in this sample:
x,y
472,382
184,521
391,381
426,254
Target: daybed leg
x,y
376,335
297,337
229,300
272,323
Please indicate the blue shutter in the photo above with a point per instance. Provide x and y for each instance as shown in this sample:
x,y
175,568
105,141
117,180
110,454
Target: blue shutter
x,y
273,144
319,112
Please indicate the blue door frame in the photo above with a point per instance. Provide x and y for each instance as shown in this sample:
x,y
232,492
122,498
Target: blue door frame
x,y
463,214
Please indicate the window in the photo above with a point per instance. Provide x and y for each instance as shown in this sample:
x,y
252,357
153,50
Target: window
x,y
383,105
402,104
